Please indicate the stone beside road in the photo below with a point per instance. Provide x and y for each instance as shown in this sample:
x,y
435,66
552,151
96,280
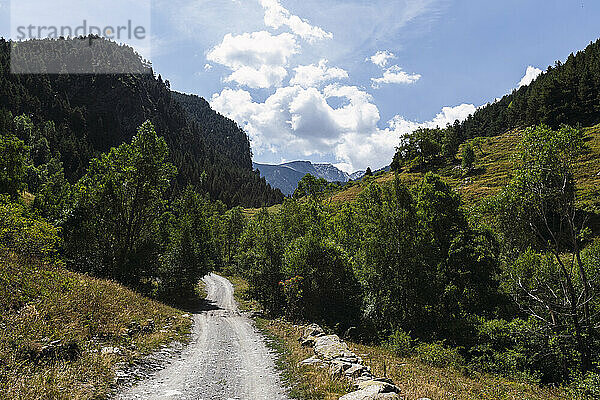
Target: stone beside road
x,y
333,353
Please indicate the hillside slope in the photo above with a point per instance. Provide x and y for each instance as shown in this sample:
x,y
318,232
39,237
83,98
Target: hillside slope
x,y
84,115
492,171
66,333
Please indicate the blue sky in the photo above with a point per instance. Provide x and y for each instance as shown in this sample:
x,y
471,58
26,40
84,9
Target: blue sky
x,y
301,78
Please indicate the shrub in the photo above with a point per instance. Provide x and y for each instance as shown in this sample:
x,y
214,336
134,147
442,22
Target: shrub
x,y
436,354
21,231
400,343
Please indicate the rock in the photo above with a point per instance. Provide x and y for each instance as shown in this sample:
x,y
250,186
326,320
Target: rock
x,y
375,391
337,368
355,371
310,361
313,330
331,347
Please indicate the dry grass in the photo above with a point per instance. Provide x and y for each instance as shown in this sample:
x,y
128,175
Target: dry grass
x,y
416,379
419,380
41,303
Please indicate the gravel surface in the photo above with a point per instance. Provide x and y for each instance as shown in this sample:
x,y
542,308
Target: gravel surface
x,y
226,359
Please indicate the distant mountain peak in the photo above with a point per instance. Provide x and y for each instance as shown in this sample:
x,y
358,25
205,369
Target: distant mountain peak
x,y
287,175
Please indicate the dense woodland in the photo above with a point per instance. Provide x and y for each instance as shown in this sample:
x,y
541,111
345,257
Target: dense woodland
x,y
133,184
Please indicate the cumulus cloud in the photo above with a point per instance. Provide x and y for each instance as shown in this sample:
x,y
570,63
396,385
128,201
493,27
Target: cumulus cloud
x,y
530,75
264,77
448,115
381,58
315,74
257,59
277,16
394,75
299,123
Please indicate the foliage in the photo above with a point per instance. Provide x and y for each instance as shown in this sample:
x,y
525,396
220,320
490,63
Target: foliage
x,y
468,157
519,349
311,186
191,252
436,354
118,205
324,287
554,288
24,232
13,155
400,343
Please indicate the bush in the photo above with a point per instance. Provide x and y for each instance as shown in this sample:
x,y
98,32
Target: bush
x,y
520,349
400,343
437,355
587,385
22,232
328,291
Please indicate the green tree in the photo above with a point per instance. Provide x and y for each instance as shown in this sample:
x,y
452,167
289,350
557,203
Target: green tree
x,y
541,200
118,204
13,162
190,253
468,157
310,186
320,284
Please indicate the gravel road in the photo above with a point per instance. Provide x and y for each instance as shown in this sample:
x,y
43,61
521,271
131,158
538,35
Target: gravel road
x,y
226,359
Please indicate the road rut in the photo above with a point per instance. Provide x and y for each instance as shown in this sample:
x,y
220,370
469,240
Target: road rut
x,y
226,359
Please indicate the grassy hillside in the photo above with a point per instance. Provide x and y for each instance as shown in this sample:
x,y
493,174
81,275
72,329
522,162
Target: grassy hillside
x,y
492,171
64,333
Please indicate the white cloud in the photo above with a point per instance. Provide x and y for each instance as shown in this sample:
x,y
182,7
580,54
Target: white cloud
x,y
264,77
277,16
381,58
530,75
299,123
447,116
207,67
257,59
315,74
395,75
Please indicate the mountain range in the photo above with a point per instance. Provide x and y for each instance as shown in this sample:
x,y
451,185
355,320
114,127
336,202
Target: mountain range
x,y
286,176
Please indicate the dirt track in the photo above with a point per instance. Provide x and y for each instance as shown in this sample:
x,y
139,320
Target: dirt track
x,y
226,359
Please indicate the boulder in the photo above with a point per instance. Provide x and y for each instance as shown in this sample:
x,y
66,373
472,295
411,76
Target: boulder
x,y
313,330
331,347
